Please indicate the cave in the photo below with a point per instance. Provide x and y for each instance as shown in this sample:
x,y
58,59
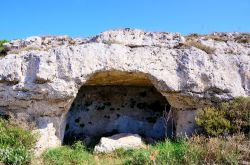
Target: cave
x,y
115,102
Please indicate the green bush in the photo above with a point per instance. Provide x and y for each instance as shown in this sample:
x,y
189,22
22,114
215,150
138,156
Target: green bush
x,y
229,118
237,112
2,51
213,121
16,144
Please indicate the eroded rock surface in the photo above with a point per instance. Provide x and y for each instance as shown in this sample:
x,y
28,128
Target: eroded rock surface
x,y
106,110
40,85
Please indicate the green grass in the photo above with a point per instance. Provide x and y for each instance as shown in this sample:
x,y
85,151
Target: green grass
x,y
75,154
195,150
16,144
161,153
168,152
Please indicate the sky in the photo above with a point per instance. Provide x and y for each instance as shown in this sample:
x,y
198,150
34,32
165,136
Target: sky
x,y
82,18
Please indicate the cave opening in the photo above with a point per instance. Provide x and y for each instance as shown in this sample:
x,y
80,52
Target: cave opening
x,y
112,103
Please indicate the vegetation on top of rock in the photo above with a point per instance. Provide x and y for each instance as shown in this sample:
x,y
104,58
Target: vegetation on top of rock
x,y
224,37
228,118
244,38
191,40
207,49
2,50
132,38
16,144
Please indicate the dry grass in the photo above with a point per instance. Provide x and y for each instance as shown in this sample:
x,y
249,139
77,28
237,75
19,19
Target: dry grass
x,y
243,38
207,49
221,150
191,40
28,48
192,36
215,38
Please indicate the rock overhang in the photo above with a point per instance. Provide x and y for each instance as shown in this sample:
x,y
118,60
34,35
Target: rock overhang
x,y
43,84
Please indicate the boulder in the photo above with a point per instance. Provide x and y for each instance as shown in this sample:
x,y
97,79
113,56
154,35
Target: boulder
x,y
122,140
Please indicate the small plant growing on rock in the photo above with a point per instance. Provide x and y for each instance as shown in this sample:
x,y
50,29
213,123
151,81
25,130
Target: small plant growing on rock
x,y
207,49
2,50
243,38
215,37
192,36
191,40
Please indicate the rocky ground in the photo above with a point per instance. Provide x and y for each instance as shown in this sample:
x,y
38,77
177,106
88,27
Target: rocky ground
x,y
231,43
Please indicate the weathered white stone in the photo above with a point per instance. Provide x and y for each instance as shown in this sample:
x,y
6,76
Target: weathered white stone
x,y
34,41
122,140
44,83
185,122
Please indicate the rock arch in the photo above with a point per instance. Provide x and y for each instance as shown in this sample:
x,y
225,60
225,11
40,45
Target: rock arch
x,y
117,102
40,86
53,128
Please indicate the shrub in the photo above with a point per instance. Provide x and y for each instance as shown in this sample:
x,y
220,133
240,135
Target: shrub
x,y
230,117
2,51
18,155
237,112
16,144
213,121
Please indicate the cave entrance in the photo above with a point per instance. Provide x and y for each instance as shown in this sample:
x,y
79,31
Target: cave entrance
x,y
117,102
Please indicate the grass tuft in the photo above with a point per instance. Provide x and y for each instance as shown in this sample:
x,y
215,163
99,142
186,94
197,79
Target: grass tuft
x,y
207,49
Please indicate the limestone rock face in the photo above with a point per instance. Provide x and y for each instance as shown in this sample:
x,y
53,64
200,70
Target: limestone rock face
x,y
40,85
123,140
